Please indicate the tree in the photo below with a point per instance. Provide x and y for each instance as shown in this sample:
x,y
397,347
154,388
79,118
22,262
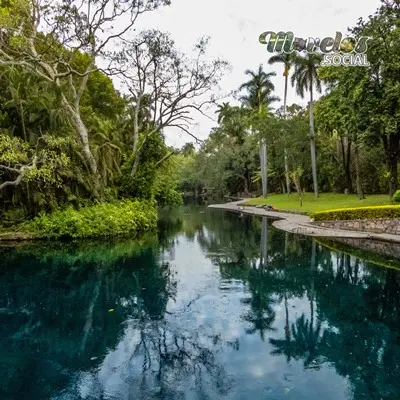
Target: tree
x,y
287,59
258,98
28,163
188,149
73,31
378,90
223,111
153,69
305,78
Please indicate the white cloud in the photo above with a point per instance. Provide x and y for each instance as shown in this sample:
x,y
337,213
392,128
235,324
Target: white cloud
x,y
234,27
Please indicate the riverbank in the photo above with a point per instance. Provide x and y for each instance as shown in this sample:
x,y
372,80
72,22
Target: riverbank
x,y
121,218
300,224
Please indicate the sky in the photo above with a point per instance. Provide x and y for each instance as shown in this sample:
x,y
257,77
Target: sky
x,y
235,26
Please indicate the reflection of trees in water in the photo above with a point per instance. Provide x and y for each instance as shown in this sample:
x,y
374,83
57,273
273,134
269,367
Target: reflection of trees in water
x,y
264,244
54,316
261,314
164,361
304,342
54,311
354,315
359,340
62,311
172,359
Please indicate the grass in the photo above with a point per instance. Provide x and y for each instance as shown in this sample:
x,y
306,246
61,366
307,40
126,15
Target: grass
x,y
325,201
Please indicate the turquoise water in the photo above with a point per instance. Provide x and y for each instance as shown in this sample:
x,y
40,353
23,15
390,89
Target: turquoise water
x,y
216,306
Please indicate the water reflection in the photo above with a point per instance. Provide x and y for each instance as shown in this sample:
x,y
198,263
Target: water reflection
x,y
215,306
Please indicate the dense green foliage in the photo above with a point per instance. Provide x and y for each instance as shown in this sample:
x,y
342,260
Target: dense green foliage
x,y
376,212
355,126
396,196
125,217
68,138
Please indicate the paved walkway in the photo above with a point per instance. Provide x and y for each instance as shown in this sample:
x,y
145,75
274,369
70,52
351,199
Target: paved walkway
x,y
297,223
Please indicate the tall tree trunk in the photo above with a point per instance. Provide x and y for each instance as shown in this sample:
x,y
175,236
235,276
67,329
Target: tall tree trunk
x,y
263,162
265,155
285,150
346,158
393,157
358,178
83,136
348,167
135,163
287,171
312,143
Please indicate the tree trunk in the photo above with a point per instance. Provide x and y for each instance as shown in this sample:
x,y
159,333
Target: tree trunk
x,y
285,150
135,164
265,167
263,161
83,136
346,158
312,144
393,158
348,166
246,186
136,124
358,178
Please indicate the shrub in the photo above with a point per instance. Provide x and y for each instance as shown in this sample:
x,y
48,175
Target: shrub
x,y
169,197
375,212
124,217
396,196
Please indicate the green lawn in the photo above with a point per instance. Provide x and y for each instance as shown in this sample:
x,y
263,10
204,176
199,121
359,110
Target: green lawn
x,y
326,201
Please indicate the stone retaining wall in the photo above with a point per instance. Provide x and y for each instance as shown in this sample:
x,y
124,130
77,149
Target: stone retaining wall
x,y
391,226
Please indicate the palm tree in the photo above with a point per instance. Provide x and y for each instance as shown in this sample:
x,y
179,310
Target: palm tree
x,y
223,111
259,89
305,78
188,149
258,98
287,59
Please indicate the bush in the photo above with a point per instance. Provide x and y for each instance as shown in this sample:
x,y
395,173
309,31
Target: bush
x,y
396,196
169,197
125,217
375,212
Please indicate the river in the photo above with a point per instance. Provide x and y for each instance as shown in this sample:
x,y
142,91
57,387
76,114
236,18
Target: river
x,y
215,306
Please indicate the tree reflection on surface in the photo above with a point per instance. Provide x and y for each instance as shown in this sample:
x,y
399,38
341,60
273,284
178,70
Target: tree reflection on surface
x,y
214,306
